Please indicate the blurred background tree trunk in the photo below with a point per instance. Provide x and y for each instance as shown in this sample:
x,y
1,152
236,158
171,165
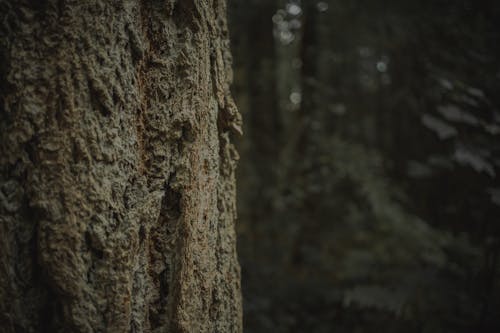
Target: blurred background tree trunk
x,y
117,191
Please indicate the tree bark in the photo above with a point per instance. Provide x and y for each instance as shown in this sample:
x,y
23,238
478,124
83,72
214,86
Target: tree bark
x,y
117,190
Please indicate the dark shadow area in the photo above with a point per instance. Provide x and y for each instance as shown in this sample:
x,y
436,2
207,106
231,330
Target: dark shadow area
x,y
369,195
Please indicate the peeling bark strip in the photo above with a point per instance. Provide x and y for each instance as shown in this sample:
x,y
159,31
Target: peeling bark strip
x,y
117,191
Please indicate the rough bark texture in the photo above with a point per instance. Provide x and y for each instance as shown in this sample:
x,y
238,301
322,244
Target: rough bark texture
x,y
117,172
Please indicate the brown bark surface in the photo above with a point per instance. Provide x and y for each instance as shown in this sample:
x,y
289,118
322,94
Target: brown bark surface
x,y
117,192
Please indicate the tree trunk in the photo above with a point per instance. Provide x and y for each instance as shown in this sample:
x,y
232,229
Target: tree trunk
x,y
117,192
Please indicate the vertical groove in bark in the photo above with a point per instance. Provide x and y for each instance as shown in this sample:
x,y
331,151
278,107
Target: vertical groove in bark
x,y
117,168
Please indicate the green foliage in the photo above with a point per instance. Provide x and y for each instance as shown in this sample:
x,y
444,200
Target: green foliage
x,y
378,254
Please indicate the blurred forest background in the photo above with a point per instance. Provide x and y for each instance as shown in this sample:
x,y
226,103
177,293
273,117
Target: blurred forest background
x,y
369,195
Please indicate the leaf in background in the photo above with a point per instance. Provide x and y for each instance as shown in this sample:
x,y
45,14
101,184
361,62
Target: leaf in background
x,y
494,195
418,170
377,297
493,129
440,162
338,109
469,158
442,129
453,113
446,84
467,100
496,116
478,93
